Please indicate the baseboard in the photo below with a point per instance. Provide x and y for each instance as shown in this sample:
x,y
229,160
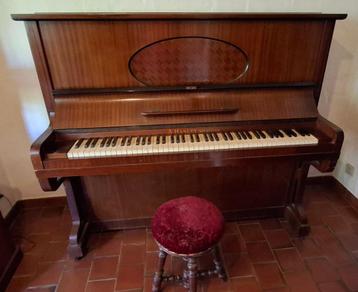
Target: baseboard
x,y
33,203
334,183
11,215
10,269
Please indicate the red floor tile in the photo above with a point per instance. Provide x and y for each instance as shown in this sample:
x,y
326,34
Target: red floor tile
x,y
238,265
336,254
269,275
349,240
251,232
269,224
332,287
132,254
108,246
104,268
289,259
259,252
136,236
18,284
322,270
336,223
130,277
150,244
349,213
349,276
307,247
47,274
247,284
300,281
278,238
73,280
216,285
28,266
101,286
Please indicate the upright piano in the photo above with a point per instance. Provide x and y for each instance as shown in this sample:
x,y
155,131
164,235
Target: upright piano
x,y
144,108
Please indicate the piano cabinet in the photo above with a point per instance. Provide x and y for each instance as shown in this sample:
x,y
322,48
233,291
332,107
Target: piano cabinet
x,y
222,76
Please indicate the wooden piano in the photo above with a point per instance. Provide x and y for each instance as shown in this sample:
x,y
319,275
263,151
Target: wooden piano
x,y
147,107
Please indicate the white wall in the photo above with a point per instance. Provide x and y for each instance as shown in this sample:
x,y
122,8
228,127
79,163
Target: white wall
x,y
23,115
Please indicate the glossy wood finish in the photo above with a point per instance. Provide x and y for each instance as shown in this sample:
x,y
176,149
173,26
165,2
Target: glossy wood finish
x,y
132,109
105,75
278,52
188,61
175,16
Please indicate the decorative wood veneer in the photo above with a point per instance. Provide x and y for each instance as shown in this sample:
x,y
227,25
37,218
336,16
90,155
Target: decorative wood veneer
x,y
278,51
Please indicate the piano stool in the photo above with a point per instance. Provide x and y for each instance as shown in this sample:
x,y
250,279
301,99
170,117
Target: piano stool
x,y
188,227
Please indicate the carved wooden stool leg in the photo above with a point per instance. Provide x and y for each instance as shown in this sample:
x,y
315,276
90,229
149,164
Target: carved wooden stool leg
x,y
219,264
158,277
192,270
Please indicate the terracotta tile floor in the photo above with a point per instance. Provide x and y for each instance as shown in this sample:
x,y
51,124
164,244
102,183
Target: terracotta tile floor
x,y
259,255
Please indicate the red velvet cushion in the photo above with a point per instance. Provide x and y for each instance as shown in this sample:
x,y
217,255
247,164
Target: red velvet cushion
x,y
187,225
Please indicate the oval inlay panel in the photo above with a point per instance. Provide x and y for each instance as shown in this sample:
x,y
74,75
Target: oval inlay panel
x,y
186,61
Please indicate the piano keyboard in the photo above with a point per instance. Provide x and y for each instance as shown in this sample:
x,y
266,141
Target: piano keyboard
x,y
176,143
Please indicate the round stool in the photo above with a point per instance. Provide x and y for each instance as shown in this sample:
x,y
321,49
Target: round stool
x,y
188,227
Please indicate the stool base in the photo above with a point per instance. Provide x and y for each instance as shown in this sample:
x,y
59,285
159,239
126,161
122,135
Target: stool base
x,y
191,273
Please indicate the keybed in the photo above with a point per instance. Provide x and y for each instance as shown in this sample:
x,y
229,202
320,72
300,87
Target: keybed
x,y
190,142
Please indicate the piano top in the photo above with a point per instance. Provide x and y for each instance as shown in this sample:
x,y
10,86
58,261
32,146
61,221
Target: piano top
x,y
180,15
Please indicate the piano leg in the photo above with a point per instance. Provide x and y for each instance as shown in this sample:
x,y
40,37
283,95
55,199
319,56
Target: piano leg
x,y
78,235
294,212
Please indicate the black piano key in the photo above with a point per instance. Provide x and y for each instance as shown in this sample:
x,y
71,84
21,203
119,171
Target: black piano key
x,y
129,141
237,134
177,139
292,133
287,132
94,142
224,136
305,132
79,142
206,137
197,137
216,137
262,134
276,134
88,143
257,135
183,138
123,142
149,140
211,137
191,138
137,140
114,141
171,138
269,132
243,135
230,136
103,142
280,134
164,141
143,141
157,140
248,134
109,141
